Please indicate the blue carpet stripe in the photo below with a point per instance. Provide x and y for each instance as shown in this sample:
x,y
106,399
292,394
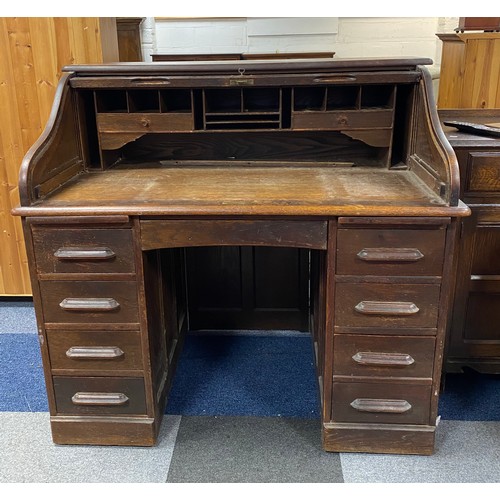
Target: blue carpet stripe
x,y
22,386
237,375
256,376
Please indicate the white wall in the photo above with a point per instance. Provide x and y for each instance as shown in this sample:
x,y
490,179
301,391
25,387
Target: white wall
x,y
346,36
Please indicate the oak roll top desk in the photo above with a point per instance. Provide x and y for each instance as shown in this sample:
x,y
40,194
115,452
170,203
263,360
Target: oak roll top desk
x,y
344,158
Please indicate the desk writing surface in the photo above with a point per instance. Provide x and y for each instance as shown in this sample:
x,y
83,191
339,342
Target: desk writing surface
x,y
244,190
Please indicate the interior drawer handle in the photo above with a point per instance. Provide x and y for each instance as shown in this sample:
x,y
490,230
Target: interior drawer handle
x,y
383,359
390,254
83,352
386,308
73,253
89,304
99,399
381,405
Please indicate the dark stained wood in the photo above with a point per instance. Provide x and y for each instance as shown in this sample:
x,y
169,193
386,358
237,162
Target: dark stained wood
x,y
390,252
64,250
341,120
170,234
383,356
129,38
103,302
376,411
119,123
337,170
55,157
485,172
478,23
152,81
390,306
248,288
66,351
231,67
379,438
99,395
243,56
474,338
253,191
115,430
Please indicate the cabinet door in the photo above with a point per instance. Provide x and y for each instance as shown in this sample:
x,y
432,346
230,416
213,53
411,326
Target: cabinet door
x,y
475,334
242,288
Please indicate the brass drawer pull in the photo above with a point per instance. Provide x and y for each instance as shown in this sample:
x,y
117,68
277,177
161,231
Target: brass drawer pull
x,y
96,253
381,405
383,359
82,352
390,254
89,304
99,399
386,308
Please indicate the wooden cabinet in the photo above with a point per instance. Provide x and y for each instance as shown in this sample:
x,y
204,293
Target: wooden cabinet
x,y
339,167
474,339
129,38
470,66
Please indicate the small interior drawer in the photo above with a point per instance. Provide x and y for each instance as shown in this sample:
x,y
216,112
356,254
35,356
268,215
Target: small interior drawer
x,y
386,305
99,395
391,252
342,120
144,122
94,350
89,301
387,403
83,250
383,356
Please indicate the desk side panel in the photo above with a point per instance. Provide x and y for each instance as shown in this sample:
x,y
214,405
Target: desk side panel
x,y
56,156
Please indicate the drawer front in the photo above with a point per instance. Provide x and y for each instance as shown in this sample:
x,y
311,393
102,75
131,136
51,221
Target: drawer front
x,y
89,301
390,252
342,120
144,122
381,403
94,350
386,305
484,172
83,250
383,356
99,396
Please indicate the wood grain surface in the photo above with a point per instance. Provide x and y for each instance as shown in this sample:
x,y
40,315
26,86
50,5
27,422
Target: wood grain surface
x,y
33,50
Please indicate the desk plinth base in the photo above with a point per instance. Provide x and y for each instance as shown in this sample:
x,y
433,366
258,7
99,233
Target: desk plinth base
x,y
379,438
119,431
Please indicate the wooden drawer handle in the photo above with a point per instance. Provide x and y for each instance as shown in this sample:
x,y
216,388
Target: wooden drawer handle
x,y
386,308
390,254
334,79
99,399
89,304
82,352
383,359
149,81
73,253
381,405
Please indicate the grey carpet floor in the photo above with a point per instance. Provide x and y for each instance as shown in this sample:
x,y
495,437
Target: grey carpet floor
x,y
241,450
252,449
